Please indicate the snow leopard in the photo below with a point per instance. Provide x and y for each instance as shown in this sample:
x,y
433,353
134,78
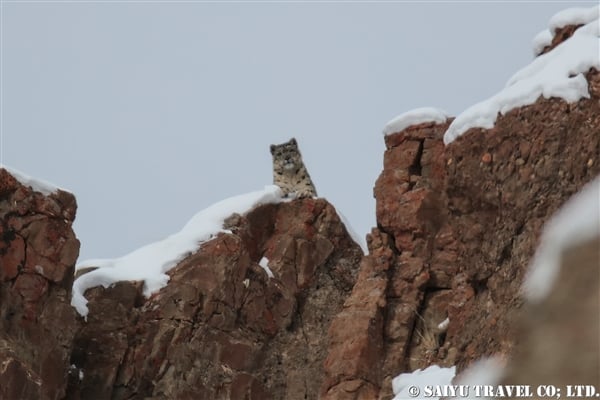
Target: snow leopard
x,y
289,171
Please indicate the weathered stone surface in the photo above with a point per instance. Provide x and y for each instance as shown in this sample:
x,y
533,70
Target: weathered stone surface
x,y
411,256
222,329
352,367
461,224
542,154
37,323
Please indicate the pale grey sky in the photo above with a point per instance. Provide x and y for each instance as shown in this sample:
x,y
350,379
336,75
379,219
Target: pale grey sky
x,y
151,111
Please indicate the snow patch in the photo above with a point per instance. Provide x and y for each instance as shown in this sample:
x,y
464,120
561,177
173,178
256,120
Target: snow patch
x,y
431,376
485,371
414,117
36,185
573,16
150,263
558,73
264,264
576,222
73,369
570,16
541,40
443,326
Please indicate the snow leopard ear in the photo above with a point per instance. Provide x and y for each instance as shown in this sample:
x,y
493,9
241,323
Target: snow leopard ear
x,y
293,141
273,147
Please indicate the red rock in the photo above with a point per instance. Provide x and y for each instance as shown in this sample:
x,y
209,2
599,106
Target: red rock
x,y
221,328
12,258
247,387
37,256
456,227
461,230
31,287
8,183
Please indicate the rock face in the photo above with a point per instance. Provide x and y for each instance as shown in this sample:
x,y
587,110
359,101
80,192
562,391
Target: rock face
x,y
37,258
456,228
410,262
222,329
540,155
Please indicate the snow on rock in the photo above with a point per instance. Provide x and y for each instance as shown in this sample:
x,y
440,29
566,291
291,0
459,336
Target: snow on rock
x,y
264,264
403,385
558,73
151,262
541,40
573,16
414,117
576,222
443,326
486,371
37,185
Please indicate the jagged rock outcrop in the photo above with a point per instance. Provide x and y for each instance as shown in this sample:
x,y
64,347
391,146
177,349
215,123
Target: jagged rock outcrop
x,y
411,260
457,227
539,156
37,258
221,329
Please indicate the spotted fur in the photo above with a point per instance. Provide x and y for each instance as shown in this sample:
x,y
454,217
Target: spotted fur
x,y
289,172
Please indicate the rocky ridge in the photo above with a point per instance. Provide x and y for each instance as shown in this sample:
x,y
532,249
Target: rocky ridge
x,y
222,329
456,228
38,250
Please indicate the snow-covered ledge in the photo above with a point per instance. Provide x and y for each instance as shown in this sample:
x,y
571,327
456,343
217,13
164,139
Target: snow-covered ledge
x,y
35,184
151,262
558,73
415,117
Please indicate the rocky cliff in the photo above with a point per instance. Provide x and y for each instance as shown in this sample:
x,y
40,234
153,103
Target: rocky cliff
x,y
222,329
38,250
457,226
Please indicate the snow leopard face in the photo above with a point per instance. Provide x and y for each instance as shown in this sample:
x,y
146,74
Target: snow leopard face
x,y
286,158
289,171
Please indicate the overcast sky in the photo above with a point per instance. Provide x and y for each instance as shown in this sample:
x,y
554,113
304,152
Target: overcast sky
x,y
150,112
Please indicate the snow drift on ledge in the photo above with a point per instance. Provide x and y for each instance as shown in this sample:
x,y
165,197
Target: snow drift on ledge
x,y
558,73
151,262
414,117
570,16
36,185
